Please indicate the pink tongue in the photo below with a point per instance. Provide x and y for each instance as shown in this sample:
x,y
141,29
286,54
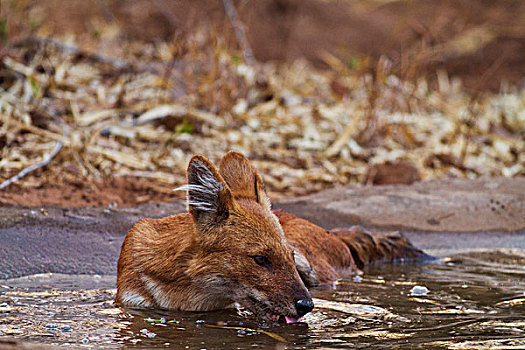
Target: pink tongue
x,y
291,319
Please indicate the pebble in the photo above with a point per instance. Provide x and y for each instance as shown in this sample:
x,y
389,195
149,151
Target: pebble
x,y
4,305
147,333
358,279
419,291
65,328
51,326
85,340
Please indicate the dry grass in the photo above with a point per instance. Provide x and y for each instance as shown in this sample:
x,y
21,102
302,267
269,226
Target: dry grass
x,y
144,109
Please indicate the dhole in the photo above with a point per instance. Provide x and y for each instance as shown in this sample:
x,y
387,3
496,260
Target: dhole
x,y
232,249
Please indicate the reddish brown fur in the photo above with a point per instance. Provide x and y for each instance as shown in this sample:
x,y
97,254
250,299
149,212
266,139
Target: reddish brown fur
x,y
203,260
325,251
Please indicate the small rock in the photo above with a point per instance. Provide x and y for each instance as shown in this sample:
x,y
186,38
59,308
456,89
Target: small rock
x,y
51,326
419,291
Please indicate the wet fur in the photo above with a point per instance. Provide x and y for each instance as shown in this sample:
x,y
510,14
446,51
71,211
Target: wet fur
x,y
201,260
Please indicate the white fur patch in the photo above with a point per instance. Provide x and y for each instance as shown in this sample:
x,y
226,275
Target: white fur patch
x,y
159,295
135,299
305,269
203,194
278,224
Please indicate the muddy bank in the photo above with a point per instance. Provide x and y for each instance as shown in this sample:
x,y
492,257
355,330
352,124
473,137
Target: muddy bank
x,y
458,205
438,216
68,240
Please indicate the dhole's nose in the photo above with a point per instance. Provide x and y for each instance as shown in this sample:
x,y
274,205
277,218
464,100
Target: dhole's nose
x,y
304,306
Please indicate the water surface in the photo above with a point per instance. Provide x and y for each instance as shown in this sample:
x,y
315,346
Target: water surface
x,y
475,300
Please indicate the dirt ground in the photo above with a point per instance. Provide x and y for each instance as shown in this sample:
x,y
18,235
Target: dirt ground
x,y
119,191
419,37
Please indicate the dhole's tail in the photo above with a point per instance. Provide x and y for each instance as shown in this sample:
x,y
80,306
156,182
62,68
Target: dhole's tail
x,y
367,248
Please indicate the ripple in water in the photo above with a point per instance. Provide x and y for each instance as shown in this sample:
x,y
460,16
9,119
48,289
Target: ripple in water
x,y
466,301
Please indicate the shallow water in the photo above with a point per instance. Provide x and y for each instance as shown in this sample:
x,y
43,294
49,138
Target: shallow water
x,y
474,301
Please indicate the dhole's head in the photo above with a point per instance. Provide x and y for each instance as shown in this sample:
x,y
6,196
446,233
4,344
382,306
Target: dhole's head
x,y
242,251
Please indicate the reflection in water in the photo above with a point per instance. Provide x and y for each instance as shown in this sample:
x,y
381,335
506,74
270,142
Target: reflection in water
x,y
474,300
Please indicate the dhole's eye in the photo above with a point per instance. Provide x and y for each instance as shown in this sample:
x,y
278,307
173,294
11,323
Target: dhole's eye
x,y
261,260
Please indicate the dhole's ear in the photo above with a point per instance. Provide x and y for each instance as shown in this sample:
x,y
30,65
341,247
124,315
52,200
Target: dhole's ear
x,y
243,179
209,198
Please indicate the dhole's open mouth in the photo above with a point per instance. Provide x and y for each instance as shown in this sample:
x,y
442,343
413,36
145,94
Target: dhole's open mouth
x,y
277,318
262,310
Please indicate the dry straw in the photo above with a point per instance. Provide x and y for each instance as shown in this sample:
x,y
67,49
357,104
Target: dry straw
x,y
144,109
